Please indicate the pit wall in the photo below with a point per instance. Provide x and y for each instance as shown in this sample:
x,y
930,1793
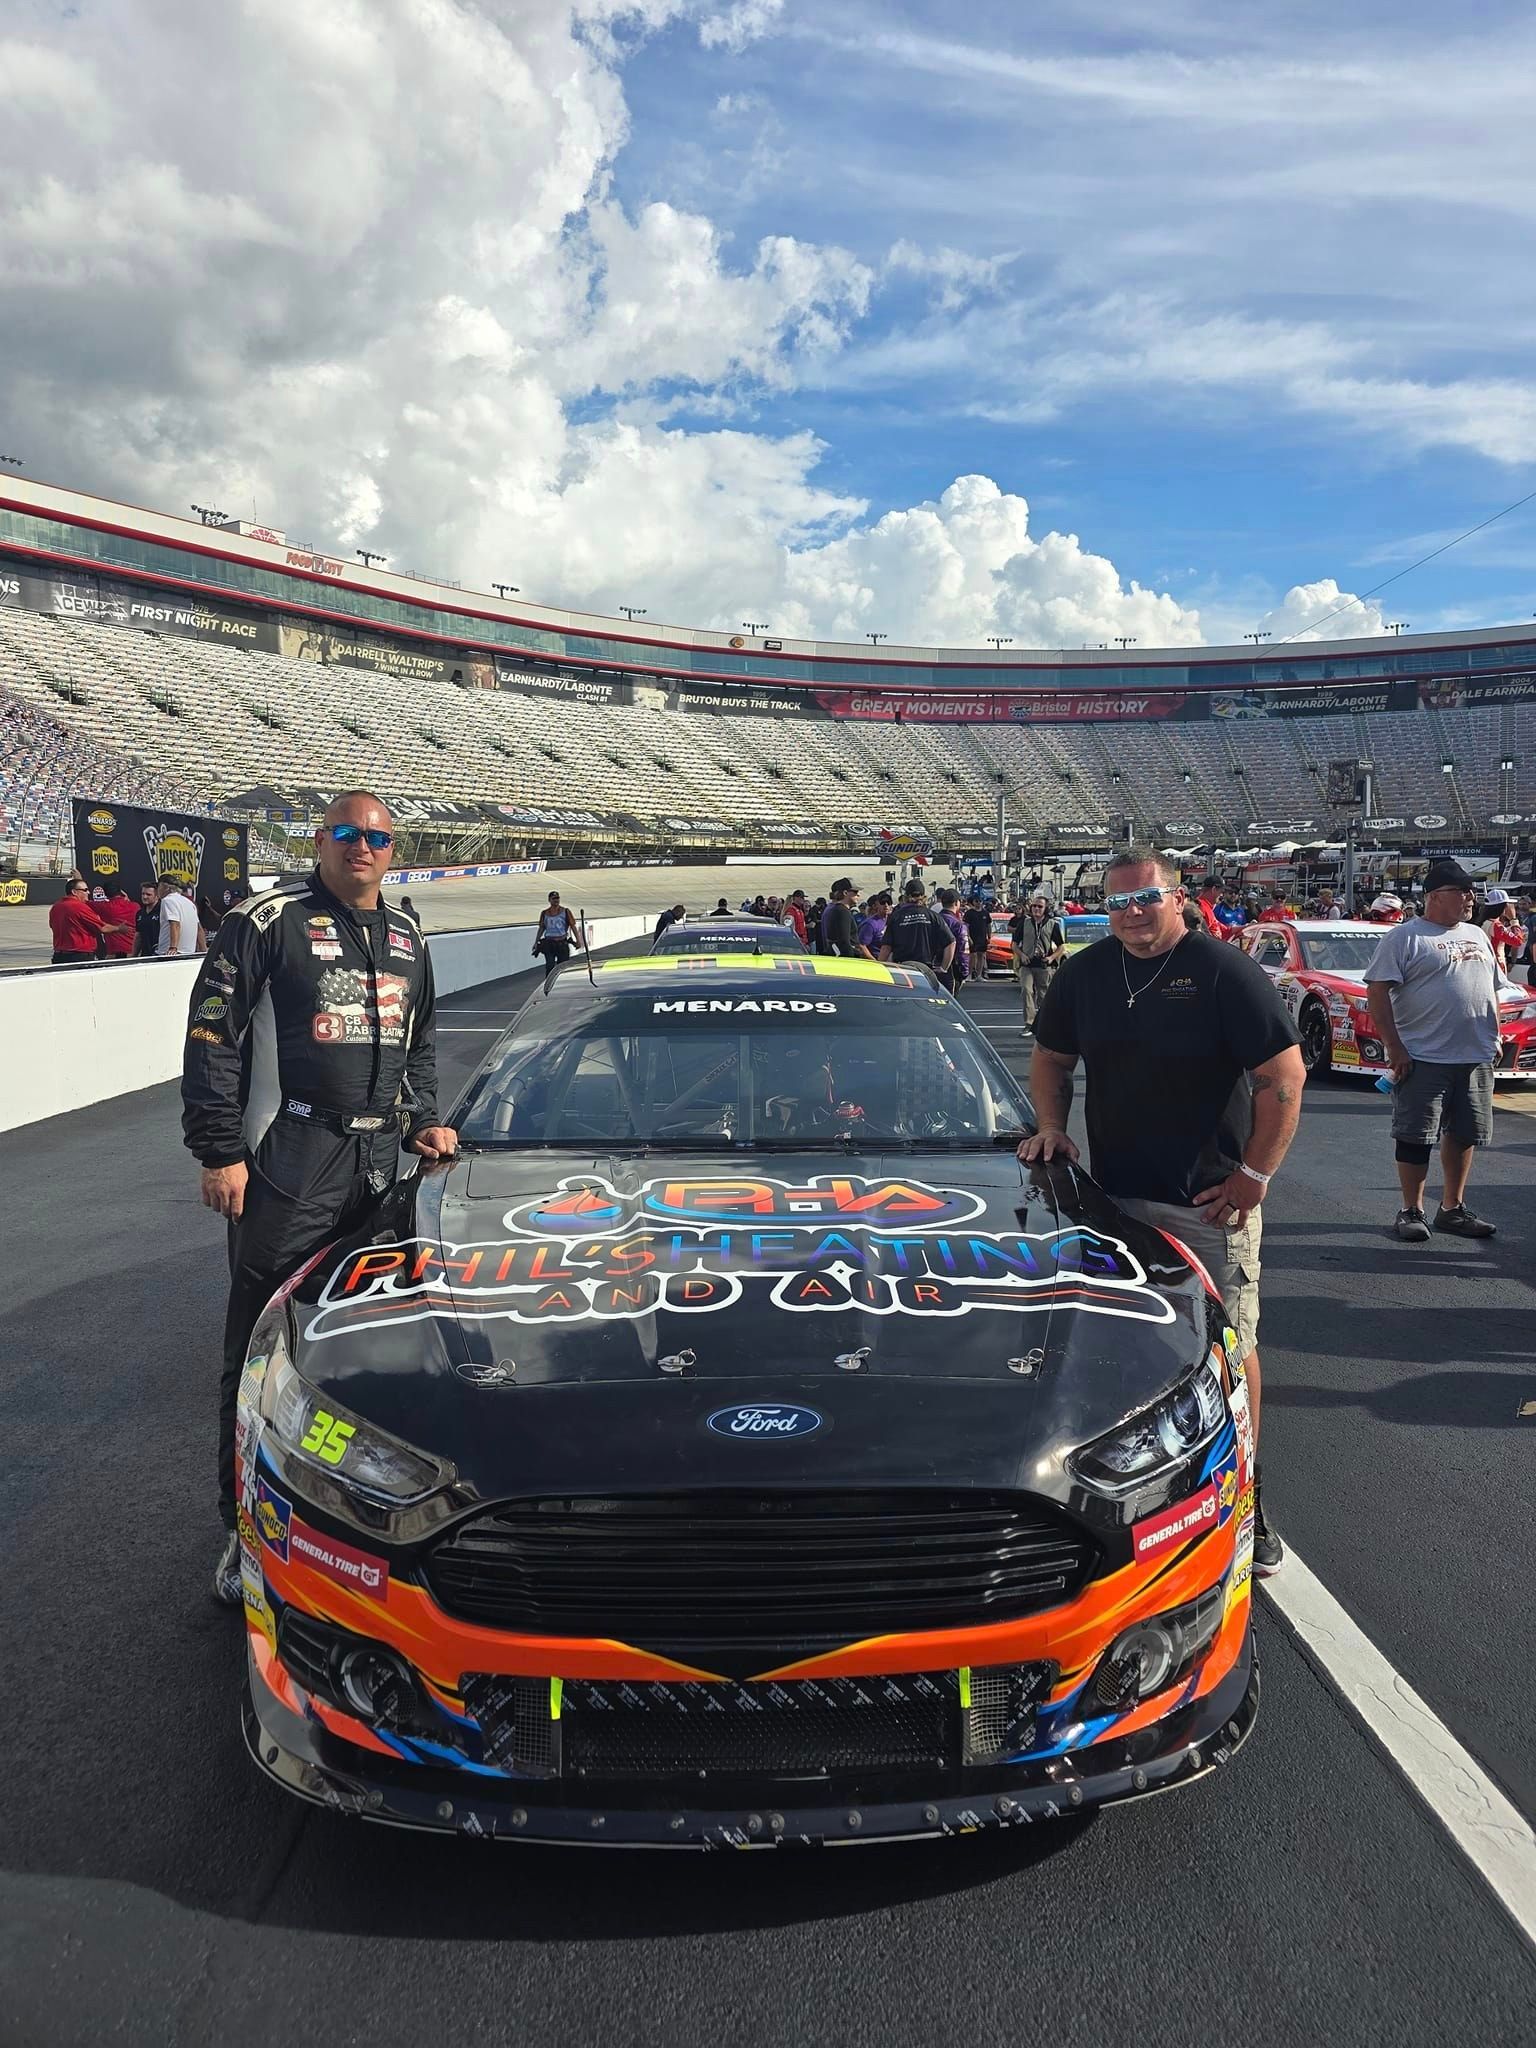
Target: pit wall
x,y
71,1036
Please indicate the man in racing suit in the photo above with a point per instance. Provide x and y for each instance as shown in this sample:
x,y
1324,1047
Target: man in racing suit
x,y
310,1052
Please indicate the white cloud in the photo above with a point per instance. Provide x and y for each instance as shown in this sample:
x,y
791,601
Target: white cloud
x,y
746,22
363,265
1321,611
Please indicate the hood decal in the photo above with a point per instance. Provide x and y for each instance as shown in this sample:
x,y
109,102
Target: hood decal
x,y
838,1243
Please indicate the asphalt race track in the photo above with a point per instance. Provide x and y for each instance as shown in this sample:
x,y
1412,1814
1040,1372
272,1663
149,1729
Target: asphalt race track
x,y
153,1888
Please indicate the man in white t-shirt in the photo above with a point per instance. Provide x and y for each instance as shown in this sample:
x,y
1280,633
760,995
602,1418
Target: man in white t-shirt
x,y
178,922
1431,984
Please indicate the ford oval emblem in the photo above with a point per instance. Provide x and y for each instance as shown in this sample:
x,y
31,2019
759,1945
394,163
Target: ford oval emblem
x,y
764,1419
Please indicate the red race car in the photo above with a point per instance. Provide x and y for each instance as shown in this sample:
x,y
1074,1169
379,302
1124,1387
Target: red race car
x,y
1319,969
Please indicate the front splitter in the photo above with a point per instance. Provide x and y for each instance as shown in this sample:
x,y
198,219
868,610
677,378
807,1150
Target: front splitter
x,y
306,1759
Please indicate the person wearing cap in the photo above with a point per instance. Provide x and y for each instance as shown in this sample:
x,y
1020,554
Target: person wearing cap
x,y
916,935
949,910
1231,913
839,927
1277,910
1431,986
1506,934
1040,941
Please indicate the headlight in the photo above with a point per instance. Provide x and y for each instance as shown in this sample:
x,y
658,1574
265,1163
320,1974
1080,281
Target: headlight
x,y
1158,1439
1150,1655
1525,1016
313,1428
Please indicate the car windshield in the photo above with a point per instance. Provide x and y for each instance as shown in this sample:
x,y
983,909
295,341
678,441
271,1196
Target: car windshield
x,y
743,938
873,1076
1340,952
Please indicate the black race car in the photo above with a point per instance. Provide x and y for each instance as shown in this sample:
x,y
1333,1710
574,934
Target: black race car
x,y
737,1445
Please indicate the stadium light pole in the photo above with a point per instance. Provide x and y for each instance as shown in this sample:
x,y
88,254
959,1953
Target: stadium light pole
x,y
209,516
1256,637
1124,640
754,626
999,640
876,638
1395,626
632,612
367,557
13,460
507,589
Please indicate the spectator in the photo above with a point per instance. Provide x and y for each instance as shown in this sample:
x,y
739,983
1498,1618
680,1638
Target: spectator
x,y
410,909
557,930
1205,903
722,908
959,967
1040,941
839,931
123,912
915,934
1327,905
794,914
1433,1001
1194,1092
1385,910
209,916
758,907
77,925
180,932
978,931
1229,911
872,923
668,918
146,925
1506,934
1277,910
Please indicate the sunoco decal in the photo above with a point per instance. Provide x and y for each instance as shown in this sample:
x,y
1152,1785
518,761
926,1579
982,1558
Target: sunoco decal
x,y
835,1243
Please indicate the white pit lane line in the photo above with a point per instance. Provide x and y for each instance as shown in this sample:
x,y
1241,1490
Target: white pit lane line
x,y
1490,1832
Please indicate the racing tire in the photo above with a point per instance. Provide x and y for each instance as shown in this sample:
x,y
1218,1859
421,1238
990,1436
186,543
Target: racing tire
x,y
1316,1036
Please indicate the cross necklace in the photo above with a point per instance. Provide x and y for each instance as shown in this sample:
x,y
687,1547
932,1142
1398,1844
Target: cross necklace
x,y
1130,993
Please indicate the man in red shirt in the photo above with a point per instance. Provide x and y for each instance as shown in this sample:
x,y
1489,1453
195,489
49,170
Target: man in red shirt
x,y
76,926
794,914
1205,904
1277,910
122,909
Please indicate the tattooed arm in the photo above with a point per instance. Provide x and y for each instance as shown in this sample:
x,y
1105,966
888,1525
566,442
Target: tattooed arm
x,y
1277,1089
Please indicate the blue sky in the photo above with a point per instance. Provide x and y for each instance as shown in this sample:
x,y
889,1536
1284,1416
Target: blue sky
x,y
869,126
1165,321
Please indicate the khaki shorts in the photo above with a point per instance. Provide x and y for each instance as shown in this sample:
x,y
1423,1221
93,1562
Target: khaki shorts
x,y
1231,1257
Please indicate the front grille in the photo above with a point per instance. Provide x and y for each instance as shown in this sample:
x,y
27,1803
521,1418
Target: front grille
x,y
626,1729
703,1575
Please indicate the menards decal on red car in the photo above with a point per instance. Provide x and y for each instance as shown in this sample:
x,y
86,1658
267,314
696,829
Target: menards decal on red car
x,y
834,1243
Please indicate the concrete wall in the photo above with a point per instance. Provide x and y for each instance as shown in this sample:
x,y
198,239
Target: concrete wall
x,y
71,1036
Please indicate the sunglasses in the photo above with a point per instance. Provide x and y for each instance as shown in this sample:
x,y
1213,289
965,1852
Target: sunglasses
x,y
1142,899
349,835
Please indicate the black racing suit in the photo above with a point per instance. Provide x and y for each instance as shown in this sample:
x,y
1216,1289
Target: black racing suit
x,y
310,1050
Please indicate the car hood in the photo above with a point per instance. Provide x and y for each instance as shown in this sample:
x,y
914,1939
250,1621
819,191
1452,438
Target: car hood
x,y
558,1323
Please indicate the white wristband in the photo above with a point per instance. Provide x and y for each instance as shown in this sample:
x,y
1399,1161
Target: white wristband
x,y
1263,1179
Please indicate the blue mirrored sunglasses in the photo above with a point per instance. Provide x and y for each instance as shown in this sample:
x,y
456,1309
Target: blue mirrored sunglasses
x,y
1122,899
349,835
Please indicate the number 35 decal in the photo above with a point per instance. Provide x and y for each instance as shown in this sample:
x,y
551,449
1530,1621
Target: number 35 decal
x,y
327,1439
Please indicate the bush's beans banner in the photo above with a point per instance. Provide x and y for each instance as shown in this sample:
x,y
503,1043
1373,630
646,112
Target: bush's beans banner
x,y
122,843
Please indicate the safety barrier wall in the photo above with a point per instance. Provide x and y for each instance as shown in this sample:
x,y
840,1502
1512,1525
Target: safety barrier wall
x,y
71,1036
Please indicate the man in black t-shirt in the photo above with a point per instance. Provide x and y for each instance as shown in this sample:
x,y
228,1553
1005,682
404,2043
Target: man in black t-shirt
x,y
1194,1090
978,927
916,935
146,942
839,927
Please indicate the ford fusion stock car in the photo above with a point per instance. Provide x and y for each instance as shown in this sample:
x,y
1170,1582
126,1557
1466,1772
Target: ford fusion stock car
x,y
737,1445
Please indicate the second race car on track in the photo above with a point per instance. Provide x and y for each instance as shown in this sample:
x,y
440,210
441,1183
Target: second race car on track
x,y
1319,969
738,1445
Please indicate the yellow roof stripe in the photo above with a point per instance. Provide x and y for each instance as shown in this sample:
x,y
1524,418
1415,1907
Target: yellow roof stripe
x,y
817,966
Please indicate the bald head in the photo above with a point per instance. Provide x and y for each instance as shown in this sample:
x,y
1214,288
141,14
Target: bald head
x,y
351,864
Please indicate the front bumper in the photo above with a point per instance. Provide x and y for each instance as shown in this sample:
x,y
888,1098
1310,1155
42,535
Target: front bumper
x,y
307,1759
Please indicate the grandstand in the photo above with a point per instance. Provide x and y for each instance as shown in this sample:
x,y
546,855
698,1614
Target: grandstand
x,y
108,690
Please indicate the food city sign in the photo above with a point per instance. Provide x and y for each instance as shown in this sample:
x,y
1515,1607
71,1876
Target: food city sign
x,y
833,1243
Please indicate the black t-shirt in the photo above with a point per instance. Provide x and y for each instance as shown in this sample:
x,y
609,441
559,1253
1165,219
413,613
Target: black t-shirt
x,y
978,925
1169,1103
147,925
840,931
915,932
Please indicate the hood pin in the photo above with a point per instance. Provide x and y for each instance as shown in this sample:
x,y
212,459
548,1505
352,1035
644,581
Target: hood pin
x,y
1027,1366
853,1361
677,1363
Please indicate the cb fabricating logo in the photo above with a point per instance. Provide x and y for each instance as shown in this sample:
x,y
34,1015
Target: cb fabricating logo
x,y
176,856
759,1419
101,821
